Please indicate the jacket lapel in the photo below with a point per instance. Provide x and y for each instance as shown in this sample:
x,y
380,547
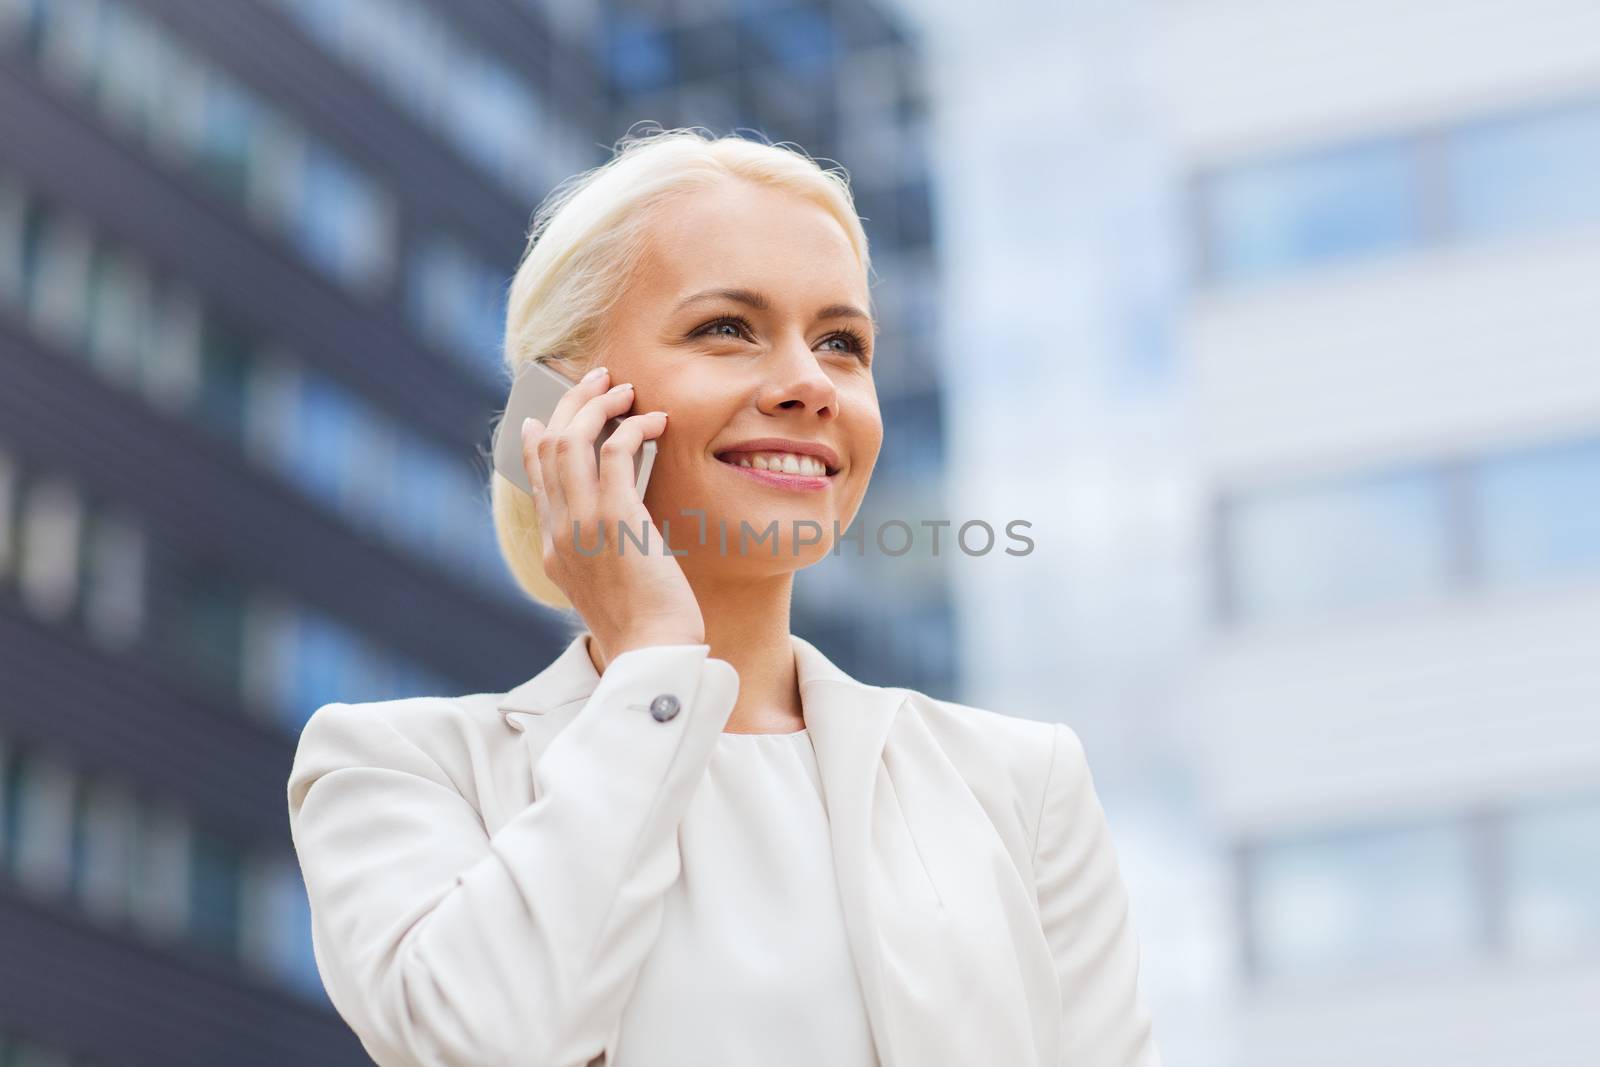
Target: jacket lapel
x,y
943,929
946,936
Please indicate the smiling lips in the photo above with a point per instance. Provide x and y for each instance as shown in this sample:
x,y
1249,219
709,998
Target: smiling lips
x,y
779,462
789,455
783,470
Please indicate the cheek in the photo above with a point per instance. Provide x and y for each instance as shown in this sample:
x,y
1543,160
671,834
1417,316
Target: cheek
x,y
871,438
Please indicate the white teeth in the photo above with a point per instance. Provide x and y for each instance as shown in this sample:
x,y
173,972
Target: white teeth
x,y
784,463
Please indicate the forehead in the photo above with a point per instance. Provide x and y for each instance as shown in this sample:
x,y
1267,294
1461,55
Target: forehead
x,y
739,234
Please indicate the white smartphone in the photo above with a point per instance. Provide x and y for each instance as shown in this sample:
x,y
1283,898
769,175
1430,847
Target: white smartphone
x,y
536,391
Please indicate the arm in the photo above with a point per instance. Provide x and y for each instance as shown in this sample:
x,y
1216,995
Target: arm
x,y
444,946
1083,905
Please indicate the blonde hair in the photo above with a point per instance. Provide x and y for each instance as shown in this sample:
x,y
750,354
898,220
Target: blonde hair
x,y
588,238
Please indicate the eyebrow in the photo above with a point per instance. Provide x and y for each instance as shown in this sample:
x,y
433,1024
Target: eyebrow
x,y
751,298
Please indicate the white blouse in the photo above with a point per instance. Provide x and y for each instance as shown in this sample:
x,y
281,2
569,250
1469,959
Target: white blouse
x,y
753,963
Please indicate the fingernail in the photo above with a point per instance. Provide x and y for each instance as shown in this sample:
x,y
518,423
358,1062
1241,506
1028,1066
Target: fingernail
x,y
527,423
655,413
619,387
593,374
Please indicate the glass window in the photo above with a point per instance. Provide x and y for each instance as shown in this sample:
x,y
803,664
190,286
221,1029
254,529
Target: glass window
x,y
321,651
1369,900
1553,883
913,443
17,17
216,877
131,72
120,300
226,354
61,279
800,37
200,624
264,683
105,834
325,437
916,214
459,301
1281,215
1525,172
271,399
641,55
374,482
13,228
160,904
277,926
114,589
42,799
495,119
173,365
195,115
68,44
223,121
311,659
405,48
482,106
425,509
10,784
51,548
344,222
1321,549
10,479
1539,511
484,550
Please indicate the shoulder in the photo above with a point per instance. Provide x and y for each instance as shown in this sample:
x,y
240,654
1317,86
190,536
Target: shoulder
x,y
1001,753
439,737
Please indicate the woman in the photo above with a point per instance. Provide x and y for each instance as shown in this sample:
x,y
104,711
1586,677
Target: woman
x,y
692,839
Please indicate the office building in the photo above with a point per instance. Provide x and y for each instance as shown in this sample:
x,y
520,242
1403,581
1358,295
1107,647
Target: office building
x,y
1395,221
252,265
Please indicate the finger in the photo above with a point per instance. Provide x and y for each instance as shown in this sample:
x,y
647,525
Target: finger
x,y
594,382
532,431
579,472
550,499
617,480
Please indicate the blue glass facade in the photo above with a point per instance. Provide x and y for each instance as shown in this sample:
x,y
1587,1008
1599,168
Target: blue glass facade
x,y
1526,172
257,254
1369,540
250,294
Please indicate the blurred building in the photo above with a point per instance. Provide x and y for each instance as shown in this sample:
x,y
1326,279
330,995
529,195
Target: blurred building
x,y
252,263
1395,221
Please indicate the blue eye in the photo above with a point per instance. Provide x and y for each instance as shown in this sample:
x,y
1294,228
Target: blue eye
x,y
857,343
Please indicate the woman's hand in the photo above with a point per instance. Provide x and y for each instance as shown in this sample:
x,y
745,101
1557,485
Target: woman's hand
x,y
627,600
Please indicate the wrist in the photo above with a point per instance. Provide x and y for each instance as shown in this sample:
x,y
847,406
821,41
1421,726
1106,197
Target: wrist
x,y
648,639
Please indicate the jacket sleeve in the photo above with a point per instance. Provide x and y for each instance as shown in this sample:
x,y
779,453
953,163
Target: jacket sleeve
x,y
1083,904
442,945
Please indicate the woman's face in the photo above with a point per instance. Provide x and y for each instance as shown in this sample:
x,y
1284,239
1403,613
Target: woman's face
x,y
729,372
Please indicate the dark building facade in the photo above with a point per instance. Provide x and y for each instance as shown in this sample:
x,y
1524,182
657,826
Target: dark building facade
x,y
252,264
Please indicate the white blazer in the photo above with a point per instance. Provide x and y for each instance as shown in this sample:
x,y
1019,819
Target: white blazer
x,y
486,872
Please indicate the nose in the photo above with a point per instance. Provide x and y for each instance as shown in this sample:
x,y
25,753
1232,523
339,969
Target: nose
x,y
793,381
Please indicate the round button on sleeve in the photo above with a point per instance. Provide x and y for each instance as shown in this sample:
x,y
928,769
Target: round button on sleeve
x,y
664,707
